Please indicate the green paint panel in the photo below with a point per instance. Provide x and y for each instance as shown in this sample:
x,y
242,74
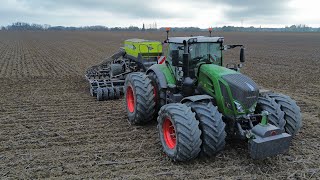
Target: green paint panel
x,y
167,73
216,71
210,81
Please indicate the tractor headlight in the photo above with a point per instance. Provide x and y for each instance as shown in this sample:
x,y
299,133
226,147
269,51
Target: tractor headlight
x,y
239,107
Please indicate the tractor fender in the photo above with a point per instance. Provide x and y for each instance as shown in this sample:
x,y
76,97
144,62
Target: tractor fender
x,y
196,98
162,79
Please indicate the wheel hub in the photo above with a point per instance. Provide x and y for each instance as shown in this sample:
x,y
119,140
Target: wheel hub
x,y
169,133
130,99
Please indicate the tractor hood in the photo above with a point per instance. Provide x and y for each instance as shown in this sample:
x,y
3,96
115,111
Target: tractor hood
x,y
216,71
234,86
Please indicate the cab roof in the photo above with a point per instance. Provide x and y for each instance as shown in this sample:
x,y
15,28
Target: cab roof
x,y
195,39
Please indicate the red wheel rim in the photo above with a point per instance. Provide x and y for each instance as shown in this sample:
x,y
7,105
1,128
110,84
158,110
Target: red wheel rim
x,y
169,133
130,99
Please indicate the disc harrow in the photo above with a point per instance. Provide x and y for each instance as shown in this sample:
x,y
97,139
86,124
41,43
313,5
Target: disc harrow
x,y
103,84
106,79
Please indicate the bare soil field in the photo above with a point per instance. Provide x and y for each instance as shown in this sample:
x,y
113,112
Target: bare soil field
x,y
50,127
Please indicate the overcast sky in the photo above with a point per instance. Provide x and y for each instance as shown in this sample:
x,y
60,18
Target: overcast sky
x,y
172,13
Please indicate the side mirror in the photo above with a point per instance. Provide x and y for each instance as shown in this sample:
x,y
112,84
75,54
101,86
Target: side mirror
x,y
242,58
175,57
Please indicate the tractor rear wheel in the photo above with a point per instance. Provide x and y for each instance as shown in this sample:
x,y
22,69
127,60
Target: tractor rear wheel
x,y
139,98
276,115
160,94
292,114
212,127
179,132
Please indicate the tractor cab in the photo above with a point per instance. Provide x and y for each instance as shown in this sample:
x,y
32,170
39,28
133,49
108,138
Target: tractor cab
x,y
200,49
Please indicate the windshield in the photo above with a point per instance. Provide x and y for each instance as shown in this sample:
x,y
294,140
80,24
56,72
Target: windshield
x,y
205,52
200,52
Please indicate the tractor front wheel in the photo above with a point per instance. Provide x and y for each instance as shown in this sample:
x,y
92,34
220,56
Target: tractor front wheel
x,y
179,132
276,115
292,114
139,98
212,127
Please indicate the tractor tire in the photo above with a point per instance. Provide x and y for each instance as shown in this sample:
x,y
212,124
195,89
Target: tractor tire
x,y
116,69
99,94
212,127
111,93
117,92
292,114
179,132
276,115
105,93
139,98
160,94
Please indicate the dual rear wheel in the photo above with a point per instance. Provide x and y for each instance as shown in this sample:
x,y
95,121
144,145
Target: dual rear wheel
x,y
191,129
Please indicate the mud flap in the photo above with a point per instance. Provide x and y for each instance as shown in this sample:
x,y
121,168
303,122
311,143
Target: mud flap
x,y
269,141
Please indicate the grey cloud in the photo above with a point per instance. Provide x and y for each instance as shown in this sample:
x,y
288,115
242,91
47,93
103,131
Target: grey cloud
x,y
254,10
258,10
131,8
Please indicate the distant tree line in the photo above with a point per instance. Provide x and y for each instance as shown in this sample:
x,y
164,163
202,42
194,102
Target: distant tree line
x,y
293,28
21,26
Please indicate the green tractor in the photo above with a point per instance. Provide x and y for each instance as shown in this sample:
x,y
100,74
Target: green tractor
x,y
198,102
